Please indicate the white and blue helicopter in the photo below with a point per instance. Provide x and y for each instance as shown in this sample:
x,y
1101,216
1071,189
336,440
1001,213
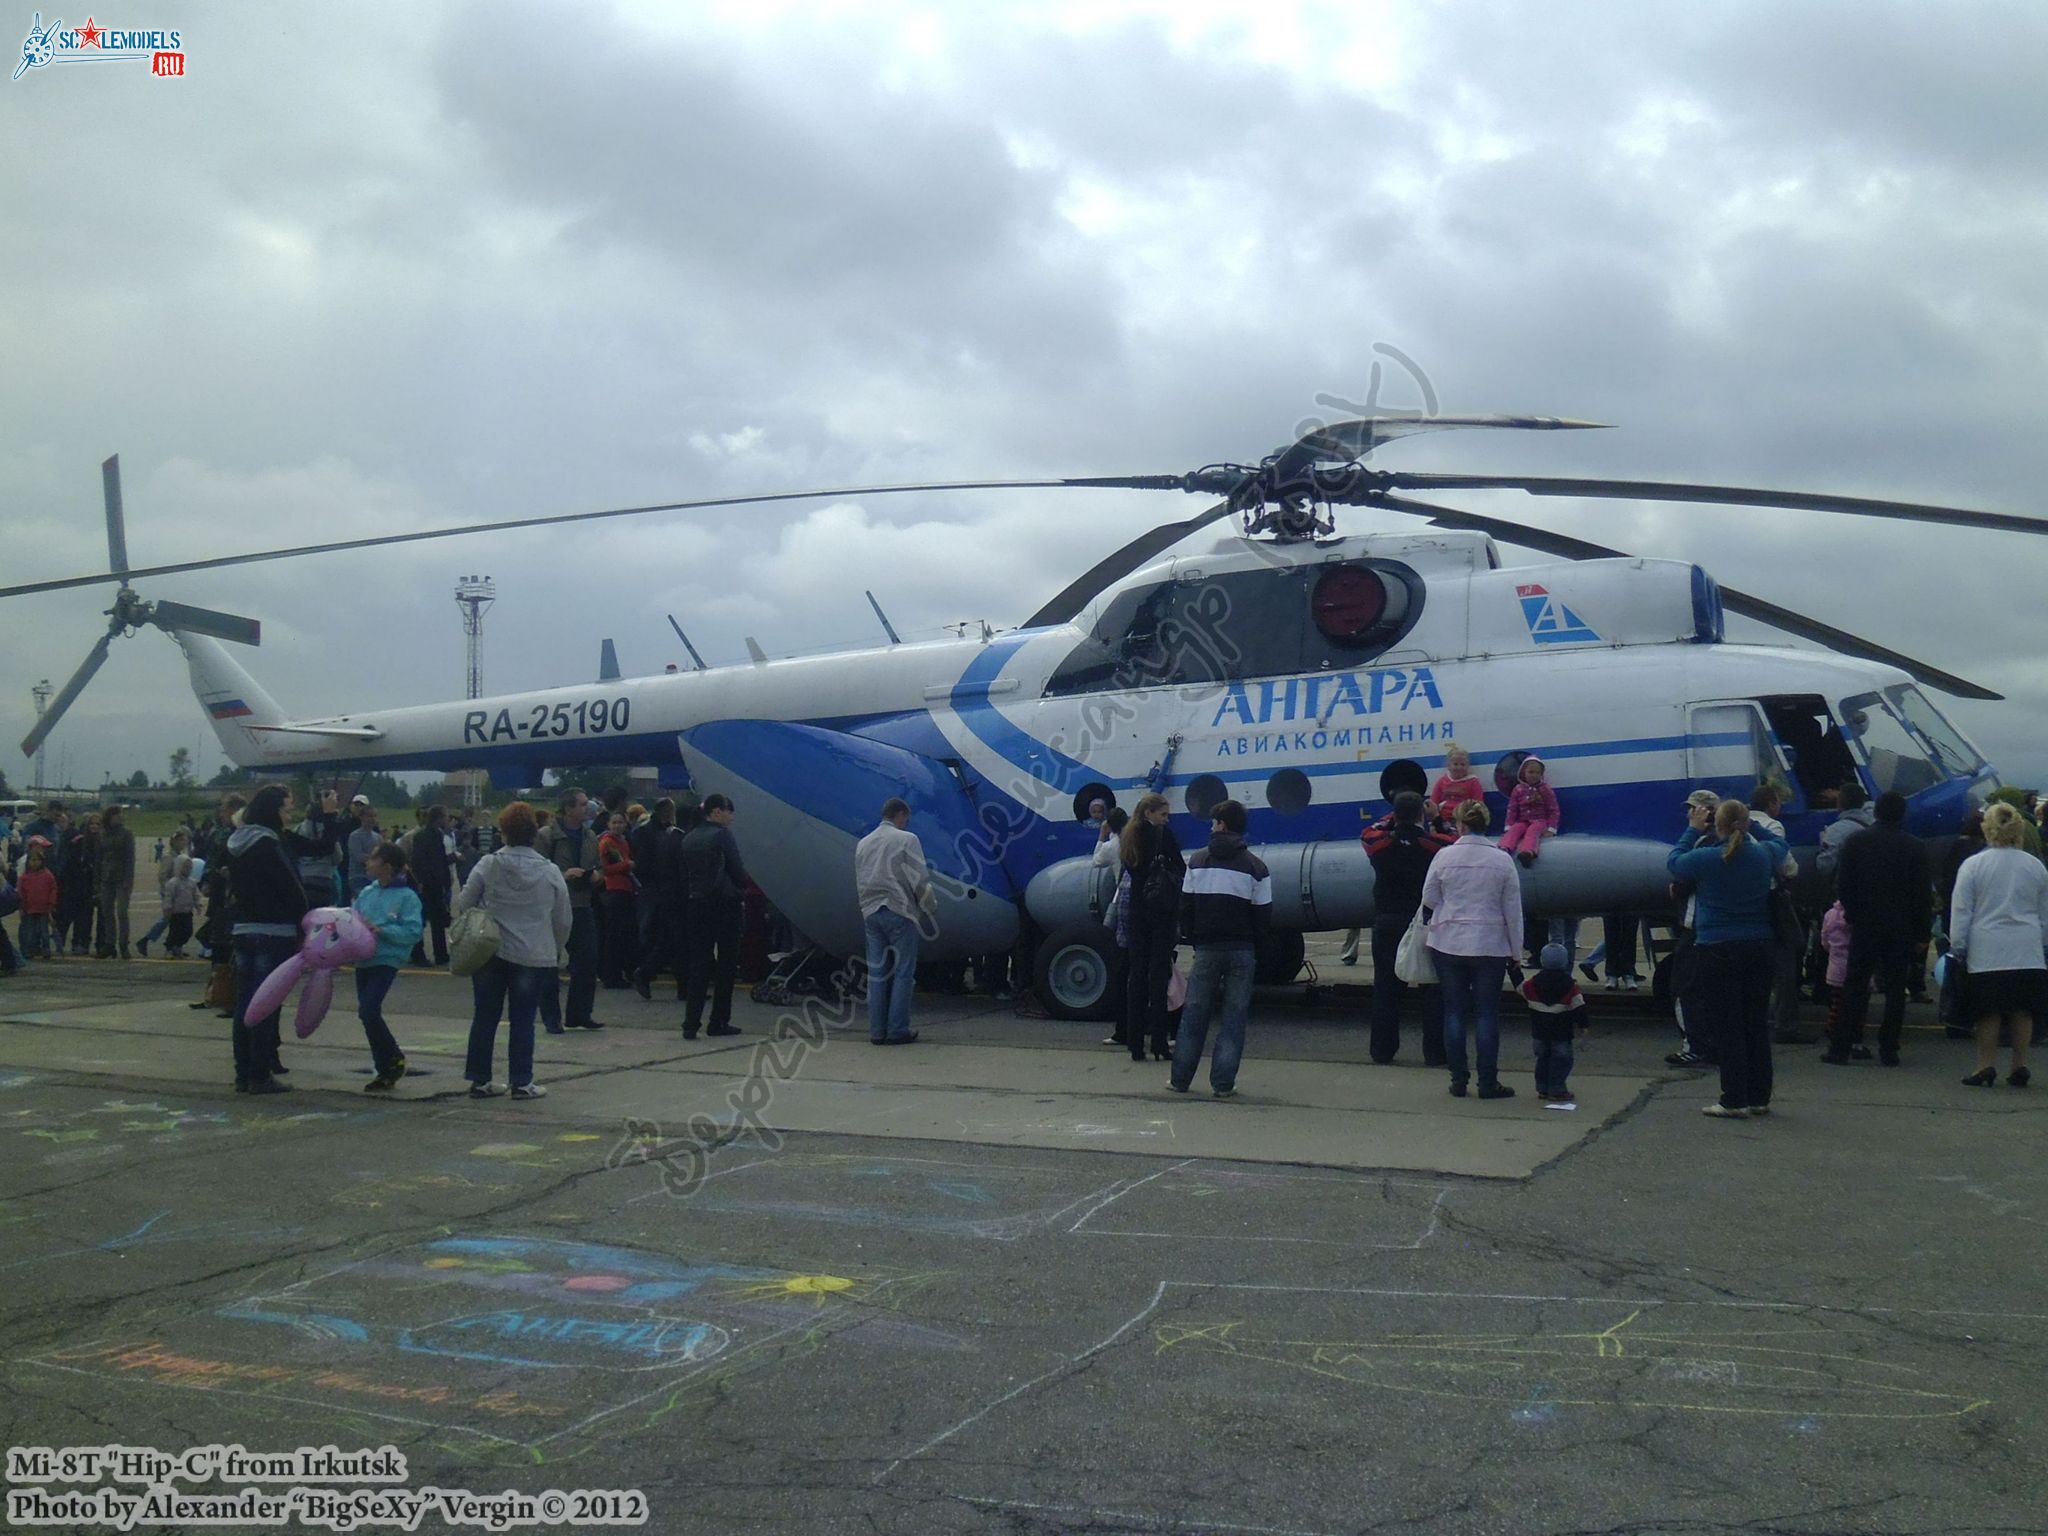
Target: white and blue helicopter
x,y
1307,674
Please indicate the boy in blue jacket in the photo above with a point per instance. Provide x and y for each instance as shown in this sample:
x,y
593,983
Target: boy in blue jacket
x,y
391,908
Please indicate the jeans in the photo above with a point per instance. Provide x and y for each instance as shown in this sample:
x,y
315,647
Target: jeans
x,y
1471,987
114,897
582,947
892,973
1553,1067
156,930
35,936
1890,961
373,984
1565,931
1388,990
1219,982
499,984
713,935
1146,977
1735,995
256,956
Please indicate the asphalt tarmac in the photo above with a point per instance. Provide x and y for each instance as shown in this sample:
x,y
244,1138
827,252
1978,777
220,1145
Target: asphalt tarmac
x,y
1827,1320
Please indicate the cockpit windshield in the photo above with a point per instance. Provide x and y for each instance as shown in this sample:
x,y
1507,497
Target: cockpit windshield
x,y
1956,756
1897,757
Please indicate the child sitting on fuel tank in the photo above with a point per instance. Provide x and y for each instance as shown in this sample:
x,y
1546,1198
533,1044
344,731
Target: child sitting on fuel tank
x,y
1532,812
1557,1010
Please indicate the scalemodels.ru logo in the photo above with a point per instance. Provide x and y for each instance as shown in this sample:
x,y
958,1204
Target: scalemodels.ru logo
x,y
95,44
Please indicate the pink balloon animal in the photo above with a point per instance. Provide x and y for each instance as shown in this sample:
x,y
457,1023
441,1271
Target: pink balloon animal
x,y
335,937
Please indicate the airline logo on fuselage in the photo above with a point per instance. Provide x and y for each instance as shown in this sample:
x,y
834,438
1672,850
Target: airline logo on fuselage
x,y
1549,621
1354,695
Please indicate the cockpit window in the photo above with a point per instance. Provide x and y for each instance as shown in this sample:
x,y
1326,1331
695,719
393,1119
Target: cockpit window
x,y
1954,754
1896,756
1245,624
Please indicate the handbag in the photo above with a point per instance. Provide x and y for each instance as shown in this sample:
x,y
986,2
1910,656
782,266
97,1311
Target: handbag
x,y
1951,973
1784,916
473,939
1412,961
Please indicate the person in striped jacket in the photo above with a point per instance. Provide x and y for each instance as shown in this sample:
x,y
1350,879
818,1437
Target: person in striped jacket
x,y
1226,900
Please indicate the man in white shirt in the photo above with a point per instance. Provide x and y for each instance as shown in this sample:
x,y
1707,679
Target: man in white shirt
x,y
894,887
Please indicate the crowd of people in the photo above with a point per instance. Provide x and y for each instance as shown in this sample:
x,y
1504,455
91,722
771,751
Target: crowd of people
x,y
1751,944
618,895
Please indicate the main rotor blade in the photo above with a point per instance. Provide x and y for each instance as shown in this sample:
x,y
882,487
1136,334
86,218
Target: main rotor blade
x,y
94,660
1112,568
207,621
1569,548
1344,442
1099,482
117,526
1721,495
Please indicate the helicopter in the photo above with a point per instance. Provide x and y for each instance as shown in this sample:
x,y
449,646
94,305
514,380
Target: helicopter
x,y
1309,674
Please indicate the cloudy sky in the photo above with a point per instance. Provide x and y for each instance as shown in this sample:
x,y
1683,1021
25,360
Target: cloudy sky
x,y
379,267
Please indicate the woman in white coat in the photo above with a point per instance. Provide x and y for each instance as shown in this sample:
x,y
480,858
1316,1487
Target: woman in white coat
x,y
1998,923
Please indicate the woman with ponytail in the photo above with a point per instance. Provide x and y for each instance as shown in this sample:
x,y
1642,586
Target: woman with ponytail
x,y
1732,864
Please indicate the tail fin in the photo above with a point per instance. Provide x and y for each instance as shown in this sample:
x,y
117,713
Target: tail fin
x,y
233,700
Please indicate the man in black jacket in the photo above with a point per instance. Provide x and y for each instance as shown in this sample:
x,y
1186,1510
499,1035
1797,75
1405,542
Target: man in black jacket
x,y
265,903
658,869
1884,881
1400,849
714,881
1226,900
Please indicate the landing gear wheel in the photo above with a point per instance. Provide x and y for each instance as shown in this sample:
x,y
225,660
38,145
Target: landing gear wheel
x,y
1279,958
1079,971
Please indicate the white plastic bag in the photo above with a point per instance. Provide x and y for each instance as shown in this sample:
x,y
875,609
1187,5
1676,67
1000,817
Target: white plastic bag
x,y
1412,961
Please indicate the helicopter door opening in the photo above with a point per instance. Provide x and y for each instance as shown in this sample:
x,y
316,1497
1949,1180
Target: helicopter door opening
x,y
1728,748
1813,744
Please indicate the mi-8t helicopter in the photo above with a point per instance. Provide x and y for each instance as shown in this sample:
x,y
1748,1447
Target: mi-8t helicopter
x,y
1308,674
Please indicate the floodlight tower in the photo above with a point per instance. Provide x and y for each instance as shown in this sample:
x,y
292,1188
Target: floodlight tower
x,y
473,594
42,692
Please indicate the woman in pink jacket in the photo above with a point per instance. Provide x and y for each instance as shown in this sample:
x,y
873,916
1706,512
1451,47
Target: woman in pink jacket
x,y
1473,898
1532,811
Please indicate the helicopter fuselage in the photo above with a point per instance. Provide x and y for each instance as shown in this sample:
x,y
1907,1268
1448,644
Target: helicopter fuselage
x,y
1309,681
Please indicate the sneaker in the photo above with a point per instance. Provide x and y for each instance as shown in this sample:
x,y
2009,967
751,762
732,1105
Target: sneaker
x,y
1495,1091
716,1029
142,948
1723,1112
1860,1052
1457,1087
1225,1093
484,1090
1631,983
268,1085
529,1091
386,1080
1686,1058
1568,1101
586,1024
1173,1087
1759,1109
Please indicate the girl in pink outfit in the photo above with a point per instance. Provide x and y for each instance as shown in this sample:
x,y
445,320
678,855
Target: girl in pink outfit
x,y
1456,784
1532,812
1836,935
